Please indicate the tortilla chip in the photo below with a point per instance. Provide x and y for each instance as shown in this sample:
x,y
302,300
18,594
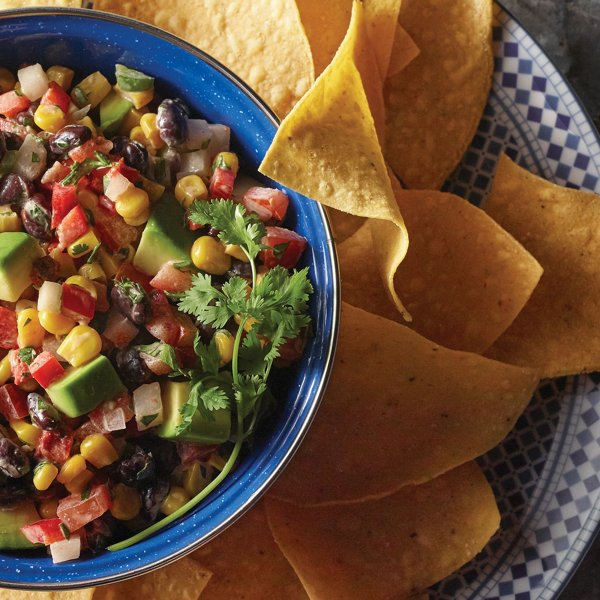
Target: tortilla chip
x,y
86,594
247,564
433,107
404,51
262,41
181,580
382,17
327,148
399,410
464,279
556,332
4,4
389,548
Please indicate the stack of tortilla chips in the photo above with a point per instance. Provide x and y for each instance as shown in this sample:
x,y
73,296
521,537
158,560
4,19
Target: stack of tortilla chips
x,y
450,314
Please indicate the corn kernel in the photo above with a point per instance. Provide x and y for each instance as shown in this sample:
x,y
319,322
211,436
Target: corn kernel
x,y
226,160
248,323
44,474
137,135
140,219
153,189
66,266
138,99
5,371
194,479
47,508
217,461
72,468
61,75
236,252
83,282
81,345
49,117
7,80
77,485
30,331
175,499
132,203
21,305
84,245
9,220
224,342
189,189
151,131
110,262
26,432
98,451
87,121
55,323
126,503
131,120
208,254
87,199
93,272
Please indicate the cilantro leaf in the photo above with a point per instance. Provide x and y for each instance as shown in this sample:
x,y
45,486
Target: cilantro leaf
x,y
163,352
215,398
94,255
78,170
132,290
206,302
27,355
80,248
206,396
253,354
208,354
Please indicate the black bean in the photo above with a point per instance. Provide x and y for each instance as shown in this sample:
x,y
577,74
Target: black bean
x,y
100,532
12,490
25,117
134,154
36,218
137,469
240,268
69,137
3,147
172,122
206,332
131,300
152,498
14,189
13,461
42,413
132,368
165,454
45,268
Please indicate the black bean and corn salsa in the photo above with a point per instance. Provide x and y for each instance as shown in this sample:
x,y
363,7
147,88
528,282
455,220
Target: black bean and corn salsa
x,y
145,296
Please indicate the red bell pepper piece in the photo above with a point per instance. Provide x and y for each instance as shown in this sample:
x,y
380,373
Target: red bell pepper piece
x,y
57,96
46,531
287,247
46,369
8,328
77,510
72,227
54,447
221,183
64,199
77,303
13,402
11,104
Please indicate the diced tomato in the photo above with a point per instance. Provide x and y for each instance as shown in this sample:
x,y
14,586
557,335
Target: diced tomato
x,y
287,247
187,330
78,510
11,104
8,328
127,270
54,447
89,149
107,204
72,227
221,183
163,325
291,350
64,200
171,279
13,402
77,303
269,204
88,428
113,230
102,412
119,329
56,95
46,369
19,369
57,172
191,451
46,531
120,167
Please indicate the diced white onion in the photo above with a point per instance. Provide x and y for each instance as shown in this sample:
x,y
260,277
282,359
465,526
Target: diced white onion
x,y
56,172
117,185
114,420
119,329
66,549
195,163
51,344
50,296
22,305
33,80
199,134
147,402
78,113
220,139
30,161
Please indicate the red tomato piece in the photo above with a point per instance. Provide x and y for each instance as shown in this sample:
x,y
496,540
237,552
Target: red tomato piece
x,y
11,104
171,279
46,531
187,330
64,199
78,510
291,350
127,270
269,204
77,303
89,149
8,328
13,402
287,247
20,370
72,227
163,325
113,230
129,172
221,183
57,96
54,447
46,369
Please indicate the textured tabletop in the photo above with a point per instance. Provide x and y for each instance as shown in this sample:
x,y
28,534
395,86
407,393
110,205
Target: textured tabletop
x,y
569,31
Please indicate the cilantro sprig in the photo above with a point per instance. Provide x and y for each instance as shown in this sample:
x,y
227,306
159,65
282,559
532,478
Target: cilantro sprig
x,y
78,170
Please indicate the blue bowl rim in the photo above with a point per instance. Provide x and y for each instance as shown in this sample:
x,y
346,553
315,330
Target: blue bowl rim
x,y
336,299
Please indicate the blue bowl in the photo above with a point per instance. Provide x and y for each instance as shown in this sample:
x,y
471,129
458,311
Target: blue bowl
x,y
87,41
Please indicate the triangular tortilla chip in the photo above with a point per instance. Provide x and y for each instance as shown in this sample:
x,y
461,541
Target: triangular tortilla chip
x,y
327,147
464,279
389,548
557,331
247,564
433,107
404,51
86,594
262,41
399,410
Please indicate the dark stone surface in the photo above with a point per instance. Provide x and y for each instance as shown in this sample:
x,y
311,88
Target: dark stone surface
x,y
569,32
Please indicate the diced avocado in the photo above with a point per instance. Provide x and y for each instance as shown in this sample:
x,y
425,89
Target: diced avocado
x,y
113,109
165,237
11,520
202,430
18,251
83,388
131,80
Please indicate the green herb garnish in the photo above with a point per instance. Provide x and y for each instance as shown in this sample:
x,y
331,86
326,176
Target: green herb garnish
x,y
27,355
80,248
94,255
132,289
78,170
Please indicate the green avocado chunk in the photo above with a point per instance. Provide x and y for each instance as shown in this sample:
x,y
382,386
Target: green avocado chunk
x,y
113,109
18,251
165,237
83,388
11,520
174,395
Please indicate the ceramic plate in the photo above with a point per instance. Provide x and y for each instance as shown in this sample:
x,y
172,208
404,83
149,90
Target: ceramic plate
x,y
546,473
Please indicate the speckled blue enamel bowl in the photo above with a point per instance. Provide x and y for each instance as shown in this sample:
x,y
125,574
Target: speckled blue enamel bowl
x,y
87,41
